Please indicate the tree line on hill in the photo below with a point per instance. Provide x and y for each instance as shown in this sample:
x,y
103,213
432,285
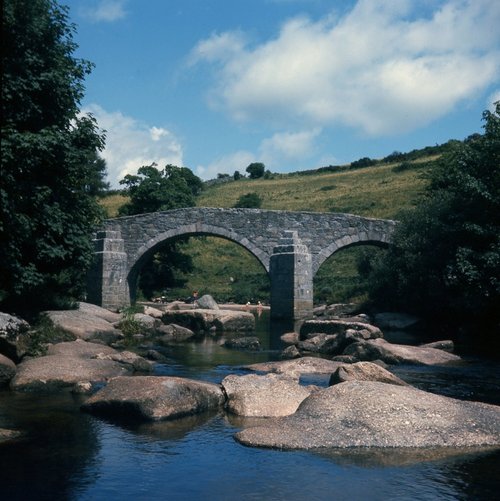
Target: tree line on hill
x,y
444,262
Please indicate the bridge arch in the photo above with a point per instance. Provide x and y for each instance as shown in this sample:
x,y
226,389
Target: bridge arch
x,y
148,248
344,243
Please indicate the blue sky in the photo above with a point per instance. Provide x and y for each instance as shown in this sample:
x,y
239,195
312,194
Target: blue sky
x,y
215,85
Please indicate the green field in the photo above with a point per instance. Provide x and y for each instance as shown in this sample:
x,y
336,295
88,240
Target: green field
x,y
228,272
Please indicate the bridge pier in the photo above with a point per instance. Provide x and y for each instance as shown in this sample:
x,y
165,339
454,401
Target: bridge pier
x,y
107,279
290,273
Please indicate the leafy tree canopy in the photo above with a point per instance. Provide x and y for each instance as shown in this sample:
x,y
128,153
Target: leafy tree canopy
x,y
256,170
154,190
49,159
445,261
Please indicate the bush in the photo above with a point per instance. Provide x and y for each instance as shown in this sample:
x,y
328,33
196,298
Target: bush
x,y
249,201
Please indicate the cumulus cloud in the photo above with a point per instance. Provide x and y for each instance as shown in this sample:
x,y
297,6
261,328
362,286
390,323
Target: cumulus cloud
x,y
284,146
383,67
105,11
131,144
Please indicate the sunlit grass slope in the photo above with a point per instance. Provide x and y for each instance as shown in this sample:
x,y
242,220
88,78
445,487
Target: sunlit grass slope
x,y
377,191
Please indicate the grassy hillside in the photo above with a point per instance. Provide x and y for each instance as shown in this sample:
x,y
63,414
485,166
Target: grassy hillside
x,y
377,191
229,272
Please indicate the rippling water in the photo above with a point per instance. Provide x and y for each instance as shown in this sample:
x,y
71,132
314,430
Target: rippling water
x,y
67,454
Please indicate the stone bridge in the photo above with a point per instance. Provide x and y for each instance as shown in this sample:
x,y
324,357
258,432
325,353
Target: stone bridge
x,y
291,246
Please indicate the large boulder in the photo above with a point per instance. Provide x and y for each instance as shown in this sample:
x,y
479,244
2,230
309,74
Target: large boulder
x,y
154,398
153,312
66,365
304,365
337,326
85,325
174,333
207,302
335,344
270,395
379,349
14,337
205,320
7,370
234,321
364,371
146,321
373,414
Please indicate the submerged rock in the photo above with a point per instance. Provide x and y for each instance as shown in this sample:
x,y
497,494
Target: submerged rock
x,y
247,343
373,414
154,398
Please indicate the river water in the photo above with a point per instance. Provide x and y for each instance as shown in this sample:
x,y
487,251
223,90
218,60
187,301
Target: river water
x,y
69,455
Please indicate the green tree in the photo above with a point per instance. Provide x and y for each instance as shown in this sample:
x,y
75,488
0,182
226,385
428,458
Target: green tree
x,y
50,169
154,190
445,260
256,170
249,201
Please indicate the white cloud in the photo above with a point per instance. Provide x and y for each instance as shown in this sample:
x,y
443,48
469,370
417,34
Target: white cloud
x,y
105,11
381,68
284,146
131,144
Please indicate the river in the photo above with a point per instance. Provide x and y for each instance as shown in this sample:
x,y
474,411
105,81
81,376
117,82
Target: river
x,y
69,455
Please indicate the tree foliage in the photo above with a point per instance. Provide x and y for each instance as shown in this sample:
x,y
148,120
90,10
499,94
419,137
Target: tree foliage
x,y
256,170
445,261
49,158
154,190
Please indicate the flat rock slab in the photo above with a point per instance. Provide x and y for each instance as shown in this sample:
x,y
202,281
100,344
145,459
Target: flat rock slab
x,y
373,414
154,398
379,349
80,349
84,325
263,396
304,365
57,372
97,311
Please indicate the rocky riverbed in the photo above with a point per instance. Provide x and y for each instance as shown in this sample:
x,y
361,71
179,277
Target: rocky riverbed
x,y
365,404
